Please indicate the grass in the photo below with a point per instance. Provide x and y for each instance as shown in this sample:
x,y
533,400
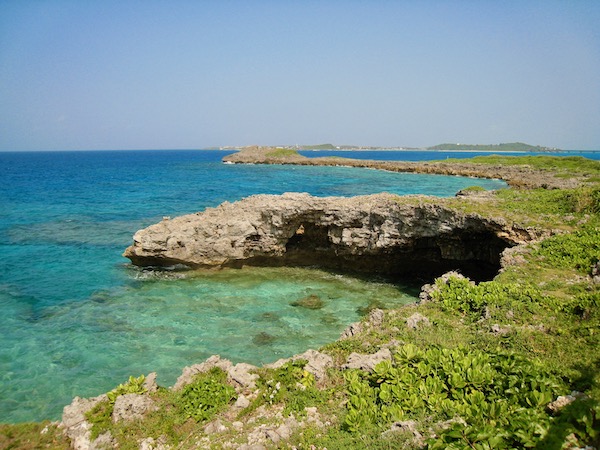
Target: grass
x,y
32,436
282,153
562,164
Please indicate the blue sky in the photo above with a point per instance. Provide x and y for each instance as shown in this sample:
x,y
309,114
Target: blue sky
x,y
195,74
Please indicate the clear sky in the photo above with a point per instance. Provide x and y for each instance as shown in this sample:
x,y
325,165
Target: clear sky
x,y
193,74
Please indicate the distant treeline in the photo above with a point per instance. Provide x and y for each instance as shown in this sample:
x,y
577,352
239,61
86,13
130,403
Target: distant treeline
x,y
508,147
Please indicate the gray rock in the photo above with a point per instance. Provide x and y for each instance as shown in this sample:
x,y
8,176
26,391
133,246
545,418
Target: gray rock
x,y
132,407
216,426
150,383
407,426
317,363
376,318
351,330
416,320
241,402
190,372
239,375
564,400
74,423
367,362
242,377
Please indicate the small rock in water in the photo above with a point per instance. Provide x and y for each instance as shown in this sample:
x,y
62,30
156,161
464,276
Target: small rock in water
x,y
311,302
263,338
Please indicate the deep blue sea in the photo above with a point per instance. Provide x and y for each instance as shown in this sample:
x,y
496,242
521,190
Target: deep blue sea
x,y
78,319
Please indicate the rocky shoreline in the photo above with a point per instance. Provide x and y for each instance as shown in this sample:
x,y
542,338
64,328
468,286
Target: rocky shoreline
x,y
515,176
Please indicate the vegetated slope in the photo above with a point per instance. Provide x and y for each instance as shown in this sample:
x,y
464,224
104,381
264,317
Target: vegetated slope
x,y
509,363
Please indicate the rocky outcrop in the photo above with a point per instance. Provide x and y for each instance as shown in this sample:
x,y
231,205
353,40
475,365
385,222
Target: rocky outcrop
x,y
382,234
514,175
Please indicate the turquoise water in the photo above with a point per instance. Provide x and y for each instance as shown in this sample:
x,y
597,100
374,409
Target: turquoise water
x,y
77,318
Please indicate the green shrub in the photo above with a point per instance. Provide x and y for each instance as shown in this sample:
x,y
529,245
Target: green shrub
x,y
491,399
291,386
461,295
208,394
579,250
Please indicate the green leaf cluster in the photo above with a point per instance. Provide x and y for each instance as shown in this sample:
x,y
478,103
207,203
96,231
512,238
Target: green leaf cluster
x,y
486,399
474,301
208,394
290,385
579,250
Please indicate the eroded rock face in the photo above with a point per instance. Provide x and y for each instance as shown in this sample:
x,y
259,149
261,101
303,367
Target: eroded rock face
x,y
370,234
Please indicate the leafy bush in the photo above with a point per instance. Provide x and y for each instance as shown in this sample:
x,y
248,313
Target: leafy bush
x,y
133,386
206,396
461,295
489,400
579,250
291,385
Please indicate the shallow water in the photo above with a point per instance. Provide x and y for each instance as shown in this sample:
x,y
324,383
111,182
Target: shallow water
x,y
77,318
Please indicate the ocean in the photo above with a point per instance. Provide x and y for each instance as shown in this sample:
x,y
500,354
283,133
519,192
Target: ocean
x,y
78,319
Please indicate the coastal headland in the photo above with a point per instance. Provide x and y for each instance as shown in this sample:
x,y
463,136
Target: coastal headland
x,y
515,175
504,358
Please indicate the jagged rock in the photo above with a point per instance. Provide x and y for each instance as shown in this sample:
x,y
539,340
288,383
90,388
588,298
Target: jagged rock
x,y
413,322
216,426
376,233
499,330
317,363
190,372
562,401
367,362
238,375
75,425
375,320
242,376
131,407
351,330
241,402
407,426
376,317
150,383
104,441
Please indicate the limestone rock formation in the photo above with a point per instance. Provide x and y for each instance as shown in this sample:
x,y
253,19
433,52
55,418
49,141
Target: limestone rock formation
x,y
380,233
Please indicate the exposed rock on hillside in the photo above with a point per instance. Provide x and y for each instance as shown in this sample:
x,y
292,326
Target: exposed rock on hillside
x,y
371,234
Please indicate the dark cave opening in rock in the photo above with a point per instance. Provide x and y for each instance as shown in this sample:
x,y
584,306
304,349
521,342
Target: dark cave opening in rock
x,y
474,253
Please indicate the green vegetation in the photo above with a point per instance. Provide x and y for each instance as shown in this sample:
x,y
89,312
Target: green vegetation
x,y
206,396
508,147
282,153
32,436
290,386
566,165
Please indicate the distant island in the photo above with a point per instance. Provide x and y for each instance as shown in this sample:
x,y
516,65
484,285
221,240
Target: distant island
x,y
506,147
